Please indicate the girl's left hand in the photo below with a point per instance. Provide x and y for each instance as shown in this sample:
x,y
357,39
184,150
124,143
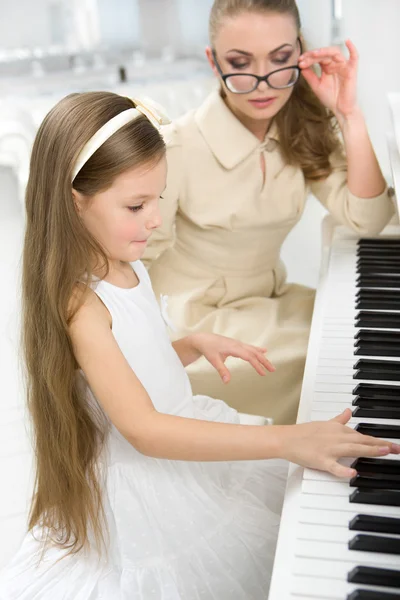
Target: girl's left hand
x,y
336,87
217,348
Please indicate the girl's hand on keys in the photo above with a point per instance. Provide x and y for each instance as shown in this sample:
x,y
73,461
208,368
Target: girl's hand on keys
x,y
319,445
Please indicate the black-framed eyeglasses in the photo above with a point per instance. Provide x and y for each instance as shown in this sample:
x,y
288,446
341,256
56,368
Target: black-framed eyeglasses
x,y
244,83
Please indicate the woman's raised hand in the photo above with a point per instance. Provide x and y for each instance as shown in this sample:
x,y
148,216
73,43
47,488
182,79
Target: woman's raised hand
x,y
336,86
319,445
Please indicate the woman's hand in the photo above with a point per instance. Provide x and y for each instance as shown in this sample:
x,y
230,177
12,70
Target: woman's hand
x,y
319,445
217,348
336,87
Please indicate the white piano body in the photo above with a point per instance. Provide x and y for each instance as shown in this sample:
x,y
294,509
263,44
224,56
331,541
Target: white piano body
x,y
313,558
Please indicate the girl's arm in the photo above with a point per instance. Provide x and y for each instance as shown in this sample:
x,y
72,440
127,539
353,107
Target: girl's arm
x,y
154,434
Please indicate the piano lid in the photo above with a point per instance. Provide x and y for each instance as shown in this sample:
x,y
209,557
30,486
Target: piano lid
x,y
394,144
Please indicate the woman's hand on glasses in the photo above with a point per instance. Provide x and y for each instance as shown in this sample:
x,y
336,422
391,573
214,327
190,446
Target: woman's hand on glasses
x,y
336,86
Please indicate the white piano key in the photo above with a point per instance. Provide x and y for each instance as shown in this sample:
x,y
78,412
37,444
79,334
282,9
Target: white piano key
x,y
340,551
331,533
323,533
331,407
339,518
325,569
327,589
341,503
326,488
332,397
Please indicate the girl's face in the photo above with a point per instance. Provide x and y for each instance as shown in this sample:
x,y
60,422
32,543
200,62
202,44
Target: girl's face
x,y
123,217
256,43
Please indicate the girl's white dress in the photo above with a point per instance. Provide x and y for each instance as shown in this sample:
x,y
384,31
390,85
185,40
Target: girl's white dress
x,y
178,530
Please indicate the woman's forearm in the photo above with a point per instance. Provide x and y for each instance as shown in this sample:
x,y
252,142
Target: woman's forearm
x,y
365,178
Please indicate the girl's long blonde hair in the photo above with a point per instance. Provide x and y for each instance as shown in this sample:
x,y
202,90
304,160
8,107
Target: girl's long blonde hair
x,y
58,252
307,130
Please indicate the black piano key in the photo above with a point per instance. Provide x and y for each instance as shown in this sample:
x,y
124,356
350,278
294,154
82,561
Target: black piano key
x,y
376,412
380,497
385,431
374,294
377,391
374,319
374,543
375,481
376,282
379,242
385,401
376,465
384,278
375,524
376,375
374,349
383,258
379,336
369,595
374,576
373,365
374,269
367,304
385,370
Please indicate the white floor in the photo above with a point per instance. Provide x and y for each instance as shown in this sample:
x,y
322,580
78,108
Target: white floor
x,y
301,254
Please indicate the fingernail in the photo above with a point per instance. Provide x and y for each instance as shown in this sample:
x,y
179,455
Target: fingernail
x,y
384,450
225,378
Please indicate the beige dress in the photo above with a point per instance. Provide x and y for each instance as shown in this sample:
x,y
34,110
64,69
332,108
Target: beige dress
x,y
216,255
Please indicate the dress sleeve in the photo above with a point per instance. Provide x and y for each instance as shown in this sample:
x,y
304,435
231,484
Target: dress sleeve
x,y
366,216
163,237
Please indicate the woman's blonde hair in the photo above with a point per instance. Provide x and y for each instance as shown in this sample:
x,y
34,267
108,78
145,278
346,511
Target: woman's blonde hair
x,y
58,252
307,130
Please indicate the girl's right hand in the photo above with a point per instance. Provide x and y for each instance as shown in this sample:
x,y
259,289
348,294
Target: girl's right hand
x,y
319,445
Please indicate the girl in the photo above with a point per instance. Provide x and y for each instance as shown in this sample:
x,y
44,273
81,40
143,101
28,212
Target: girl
x,y
239,171
142,490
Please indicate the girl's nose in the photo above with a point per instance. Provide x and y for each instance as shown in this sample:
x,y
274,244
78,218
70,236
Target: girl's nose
x,y
154,221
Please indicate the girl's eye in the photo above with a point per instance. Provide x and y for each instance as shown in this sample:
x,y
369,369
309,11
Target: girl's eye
x,y
135,208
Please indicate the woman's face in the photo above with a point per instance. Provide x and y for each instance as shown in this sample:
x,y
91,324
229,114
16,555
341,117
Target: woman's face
x,y
256,43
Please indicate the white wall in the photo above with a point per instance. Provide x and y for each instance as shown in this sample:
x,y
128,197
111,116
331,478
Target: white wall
x,y
24,23
373,26
119,22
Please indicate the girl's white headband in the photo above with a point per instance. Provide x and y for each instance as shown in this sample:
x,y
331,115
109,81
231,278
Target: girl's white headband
x,y
148,108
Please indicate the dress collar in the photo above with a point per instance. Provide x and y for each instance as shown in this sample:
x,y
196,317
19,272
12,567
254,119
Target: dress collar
x,y
229,140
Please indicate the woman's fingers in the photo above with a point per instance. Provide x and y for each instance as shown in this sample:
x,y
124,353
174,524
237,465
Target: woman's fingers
x,y
353,59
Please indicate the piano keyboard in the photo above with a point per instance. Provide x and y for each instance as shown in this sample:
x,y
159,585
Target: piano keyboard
x,y
340,539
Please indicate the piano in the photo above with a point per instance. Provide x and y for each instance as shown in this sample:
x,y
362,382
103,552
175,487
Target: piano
x,y
339,539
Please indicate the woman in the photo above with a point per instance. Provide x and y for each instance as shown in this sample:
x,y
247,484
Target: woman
x,y
240,169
